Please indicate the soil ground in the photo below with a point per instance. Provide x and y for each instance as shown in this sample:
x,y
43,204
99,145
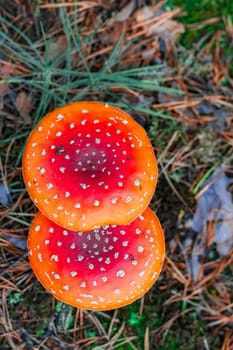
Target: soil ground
x,y
133,54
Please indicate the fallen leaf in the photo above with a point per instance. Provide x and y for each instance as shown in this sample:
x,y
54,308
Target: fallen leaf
x,y
158,22
19,242
8,69
5,71
146,339
24,106
5,197
212,221
169,30
215,204
124,14
205,108
56,48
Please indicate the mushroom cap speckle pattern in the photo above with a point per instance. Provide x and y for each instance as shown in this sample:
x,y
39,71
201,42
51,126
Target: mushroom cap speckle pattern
x,y
89,164
102,269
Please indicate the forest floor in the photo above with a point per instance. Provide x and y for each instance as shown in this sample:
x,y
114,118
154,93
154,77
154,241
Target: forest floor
x,y
176,79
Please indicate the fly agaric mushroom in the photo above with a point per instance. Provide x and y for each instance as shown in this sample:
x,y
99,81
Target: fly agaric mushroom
x,y
102,269
89,164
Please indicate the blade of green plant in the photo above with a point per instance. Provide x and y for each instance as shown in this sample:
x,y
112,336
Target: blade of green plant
x,y
137,108
76,40
18,52
44,99
157,114
68,67
17,48
37,84
16,137
113,59
149,71
204,178
135,84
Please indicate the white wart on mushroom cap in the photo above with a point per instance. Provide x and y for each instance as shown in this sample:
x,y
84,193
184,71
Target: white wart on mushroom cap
x,y
102,269
88,164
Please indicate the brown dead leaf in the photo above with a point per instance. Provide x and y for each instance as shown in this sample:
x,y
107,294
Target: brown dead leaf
x,y
124,14
8,69
159,22
5,71
4,89
146,339
169,30
145,13
56,48
24,106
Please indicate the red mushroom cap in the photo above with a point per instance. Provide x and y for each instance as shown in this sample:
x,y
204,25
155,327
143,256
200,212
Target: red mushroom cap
x,y
102,269
88,164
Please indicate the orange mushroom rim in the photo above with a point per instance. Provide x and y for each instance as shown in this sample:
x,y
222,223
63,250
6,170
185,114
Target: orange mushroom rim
x,y
89,164
106,268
